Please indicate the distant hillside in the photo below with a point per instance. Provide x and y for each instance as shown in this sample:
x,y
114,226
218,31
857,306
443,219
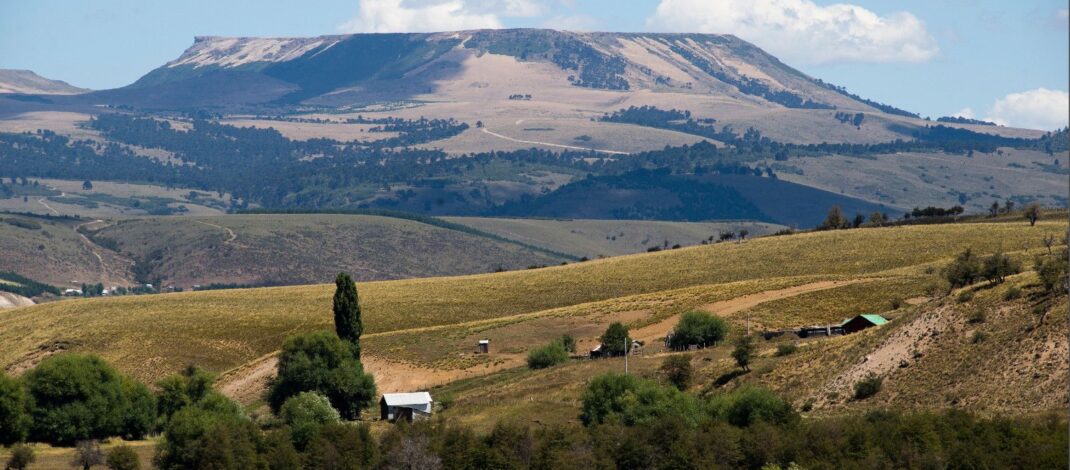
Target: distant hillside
x,y
589,237
658,195
303,248
27,82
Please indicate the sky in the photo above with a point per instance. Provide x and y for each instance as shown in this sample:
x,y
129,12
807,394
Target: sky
x,y
1004,61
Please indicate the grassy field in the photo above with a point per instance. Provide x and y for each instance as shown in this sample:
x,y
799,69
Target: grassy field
x,y
150,336
593,238
54,458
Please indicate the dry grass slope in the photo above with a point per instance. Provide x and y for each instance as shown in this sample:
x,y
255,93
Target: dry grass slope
x,y
151,336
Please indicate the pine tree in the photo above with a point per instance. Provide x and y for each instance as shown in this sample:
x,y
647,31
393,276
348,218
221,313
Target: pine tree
x,y
347,323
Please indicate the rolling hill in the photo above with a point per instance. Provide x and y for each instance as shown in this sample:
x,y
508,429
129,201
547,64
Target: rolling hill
x,y
591,238
28,83
150,336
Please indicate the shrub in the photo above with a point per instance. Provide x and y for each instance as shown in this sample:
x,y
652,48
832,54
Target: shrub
x,y
1012,293
964,270
749,405
631,400
14,419
80,397
697,328
21,457
786,349
1052,271
614,338
677,370
976,316
978,336
965,296
323,363
569,343
122,457
997,267
550,355
743,351
306,413
897,303
868,386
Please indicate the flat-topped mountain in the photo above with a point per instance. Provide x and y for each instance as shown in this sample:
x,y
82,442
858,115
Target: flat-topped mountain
x,y
351,69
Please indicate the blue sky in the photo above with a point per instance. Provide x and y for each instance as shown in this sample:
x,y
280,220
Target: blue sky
x,y
1003,60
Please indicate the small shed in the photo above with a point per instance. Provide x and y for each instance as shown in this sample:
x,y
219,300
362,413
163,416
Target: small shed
x,y
596,352
483,347
407,406
862,322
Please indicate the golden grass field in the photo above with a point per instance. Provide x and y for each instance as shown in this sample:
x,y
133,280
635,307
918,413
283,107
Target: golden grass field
x,y
151,336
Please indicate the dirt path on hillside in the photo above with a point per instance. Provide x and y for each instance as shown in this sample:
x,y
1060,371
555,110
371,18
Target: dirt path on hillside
x,y
547,144
231,236
106,271
728,307
42,202
247,383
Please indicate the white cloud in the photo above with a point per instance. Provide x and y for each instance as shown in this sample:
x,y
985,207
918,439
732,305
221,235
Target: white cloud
x,y
800,31
393,16
1062,19
572,23
1041,108
964,113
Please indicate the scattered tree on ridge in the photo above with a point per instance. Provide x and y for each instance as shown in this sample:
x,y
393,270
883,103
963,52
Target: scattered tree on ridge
x,y
677,370
1032,212
743,352
699,329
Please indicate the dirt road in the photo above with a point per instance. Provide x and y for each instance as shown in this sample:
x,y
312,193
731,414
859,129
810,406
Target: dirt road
x,y
728,307
547,144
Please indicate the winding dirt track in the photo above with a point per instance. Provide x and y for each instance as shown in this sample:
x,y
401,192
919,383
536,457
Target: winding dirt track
x,y
547,144
246,383
728,307
231,236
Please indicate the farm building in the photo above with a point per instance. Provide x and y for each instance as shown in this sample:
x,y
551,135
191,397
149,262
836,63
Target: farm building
x,y
483,347
862,322
407,406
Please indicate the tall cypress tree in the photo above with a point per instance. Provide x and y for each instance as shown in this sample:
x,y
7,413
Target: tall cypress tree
x,y
347,322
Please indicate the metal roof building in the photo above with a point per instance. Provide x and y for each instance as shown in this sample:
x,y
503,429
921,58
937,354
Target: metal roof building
x,y
394,406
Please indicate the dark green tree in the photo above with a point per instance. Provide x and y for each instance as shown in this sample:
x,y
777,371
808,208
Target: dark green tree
x,y
342,446
179,391
614,338
324,363
305,413
78,397
14,418
347,322
699,329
